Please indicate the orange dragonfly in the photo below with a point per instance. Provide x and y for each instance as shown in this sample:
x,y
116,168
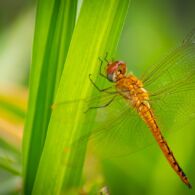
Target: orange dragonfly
x,y
162,97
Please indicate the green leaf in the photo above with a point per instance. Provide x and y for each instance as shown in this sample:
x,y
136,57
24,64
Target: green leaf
x,y
55,21
97,32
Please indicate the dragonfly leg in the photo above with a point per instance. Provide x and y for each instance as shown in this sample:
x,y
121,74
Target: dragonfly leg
x,y
102,106
101,63
101,90
100,70
105,58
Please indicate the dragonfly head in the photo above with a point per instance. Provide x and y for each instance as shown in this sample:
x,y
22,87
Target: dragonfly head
x,y
115,70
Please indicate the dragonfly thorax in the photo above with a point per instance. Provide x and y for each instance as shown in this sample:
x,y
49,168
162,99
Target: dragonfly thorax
x,y
132,89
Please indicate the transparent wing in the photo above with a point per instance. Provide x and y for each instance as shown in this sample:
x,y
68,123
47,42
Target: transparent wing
x,y
118,130
171,85
174,66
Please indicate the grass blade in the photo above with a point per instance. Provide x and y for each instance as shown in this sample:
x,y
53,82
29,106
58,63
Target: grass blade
x,y
53,29
97,31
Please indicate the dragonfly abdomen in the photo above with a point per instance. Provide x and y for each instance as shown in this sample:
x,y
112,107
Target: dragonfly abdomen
x,y
147,115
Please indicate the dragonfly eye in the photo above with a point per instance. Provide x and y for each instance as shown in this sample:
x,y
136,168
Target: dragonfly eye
x,y
115,70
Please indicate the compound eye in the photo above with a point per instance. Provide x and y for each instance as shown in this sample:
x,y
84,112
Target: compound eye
x,y
115,69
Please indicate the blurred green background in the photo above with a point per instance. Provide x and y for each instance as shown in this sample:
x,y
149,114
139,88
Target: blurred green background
x,y
151,29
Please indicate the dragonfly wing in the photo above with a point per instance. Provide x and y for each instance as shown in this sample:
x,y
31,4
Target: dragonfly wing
x,y
175,66
174,110
171,85
190,37
118,131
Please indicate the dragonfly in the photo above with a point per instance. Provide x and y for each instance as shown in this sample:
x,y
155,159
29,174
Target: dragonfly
x,y
134,90
144,103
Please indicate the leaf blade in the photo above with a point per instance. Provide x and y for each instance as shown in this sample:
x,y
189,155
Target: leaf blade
x,y
91,38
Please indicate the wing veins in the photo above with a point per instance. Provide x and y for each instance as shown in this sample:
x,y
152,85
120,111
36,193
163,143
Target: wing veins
x,y
161,68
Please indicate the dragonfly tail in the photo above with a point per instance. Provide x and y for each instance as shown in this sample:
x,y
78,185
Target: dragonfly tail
x,y
148,116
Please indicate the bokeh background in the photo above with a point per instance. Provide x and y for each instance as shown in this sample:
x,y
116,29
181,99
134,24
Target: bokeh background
x,y
16,37
151,30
